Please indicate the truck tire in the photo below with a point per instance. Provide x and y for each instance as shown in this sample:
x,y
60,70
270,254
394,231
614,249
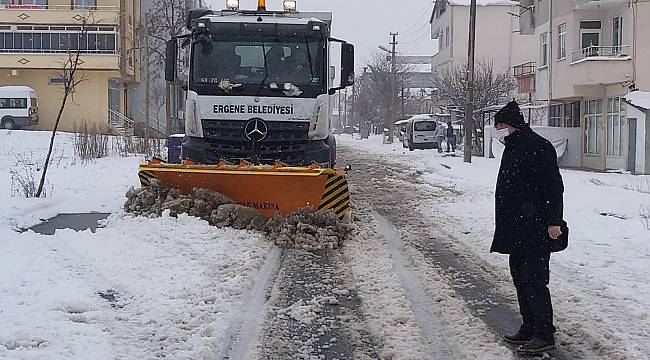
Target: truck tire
x,y
8,123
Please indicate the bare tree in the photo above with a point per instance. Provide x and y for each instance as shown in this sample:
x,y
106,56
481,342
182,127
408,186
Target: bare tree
x,y
491,87
71,79
376,96
166,19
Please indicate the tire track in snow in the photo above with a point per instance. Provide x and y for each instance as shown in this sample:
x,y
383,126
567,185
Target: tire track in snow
x,y
469,281
314,311
245,332
426,312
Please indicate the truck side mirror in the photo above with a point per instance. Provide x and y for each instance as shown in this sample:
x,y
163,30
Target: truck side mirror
x,y
171,58
347,65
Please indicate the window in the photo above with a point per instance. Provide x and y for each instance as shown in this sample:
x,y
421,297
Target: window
x,y
447,37
544,48
617,32
425,126
590,37
441,40
57,81
57,42
84,4
572,114
615,118
561,41
593,119
556,116
33,2
13,103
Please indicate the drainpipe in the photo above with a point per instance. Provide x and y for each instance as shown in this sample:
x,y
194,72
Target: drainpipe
x,y
550,60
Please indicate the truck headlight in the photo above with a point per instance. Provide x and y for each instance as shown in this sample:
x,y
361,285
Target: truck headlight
x,y
290,5
232,4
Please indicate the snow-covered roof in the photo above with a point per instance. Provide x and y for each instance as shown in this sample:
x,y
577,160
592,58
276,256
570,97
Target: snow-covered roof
x,y
639,99
482,2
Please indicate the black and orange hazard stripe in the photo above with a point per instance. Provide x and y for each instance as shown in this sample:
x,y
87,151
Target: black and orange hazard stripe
x,y
336,196
146,177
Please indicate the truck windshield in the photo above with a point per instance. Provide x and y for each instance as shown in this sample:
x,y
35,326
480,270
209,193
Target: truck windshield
x,y
251,65
425,126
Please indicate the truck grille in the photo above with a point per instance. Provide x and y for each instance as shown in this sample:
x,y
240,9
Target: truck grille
x,y
285,141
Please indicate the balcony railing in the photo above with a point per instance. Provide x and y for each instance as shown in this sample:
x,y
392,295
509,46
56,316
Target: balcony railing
x,y
601,52
524,69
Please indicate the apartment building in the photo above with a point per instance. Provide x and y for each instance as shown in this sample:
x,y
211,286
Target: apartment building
x,y
590,55
497,33
36,37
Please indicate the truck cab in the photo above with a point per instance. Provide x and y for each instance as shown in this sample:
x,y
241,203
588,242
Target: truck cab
x,y
260,86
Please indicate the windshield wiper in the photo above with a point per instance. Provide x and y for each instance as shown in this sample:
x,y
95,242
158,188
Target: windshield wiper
x,y
311,63
266,72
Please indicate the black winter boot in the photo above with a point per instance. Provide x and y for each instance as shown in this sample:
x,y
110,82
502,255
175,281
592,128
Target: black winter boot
x,y
519,338
537,346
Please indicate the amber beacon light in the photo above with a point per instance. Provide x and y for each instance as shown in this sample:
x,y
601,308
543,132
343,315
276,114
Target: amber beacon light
x,y
261,5
289,5
232,4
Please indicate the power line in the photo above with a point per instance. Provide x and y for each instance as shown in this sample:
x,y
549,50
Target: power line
x,y
428,10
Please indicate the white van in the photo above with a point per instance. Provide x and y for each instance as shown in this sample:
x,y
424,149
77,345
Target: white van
x,y
18,107
420,133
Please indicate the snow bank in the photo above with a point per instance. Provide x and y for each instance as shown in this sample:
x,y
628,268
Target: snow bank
x,y
72,186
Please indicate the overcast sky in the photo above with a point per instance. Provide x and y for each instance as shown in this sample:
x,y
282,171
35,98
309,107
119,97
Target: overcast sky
x,y
367,23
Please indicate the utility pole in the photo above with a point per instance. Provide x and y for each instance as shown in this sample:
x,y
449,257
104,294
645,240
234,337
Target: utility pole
x,y
403,116
345,108
393,87
147,76
352,110
469,108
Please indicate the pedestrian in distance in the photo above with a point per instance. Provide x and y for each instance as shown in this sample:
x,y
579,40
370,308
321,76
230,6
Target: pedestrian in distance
x,y
529,221
451,137
439,136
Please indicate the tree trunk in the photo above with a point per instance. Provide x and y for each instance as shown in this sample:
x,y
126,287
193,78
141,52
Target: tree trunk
x,y
49,151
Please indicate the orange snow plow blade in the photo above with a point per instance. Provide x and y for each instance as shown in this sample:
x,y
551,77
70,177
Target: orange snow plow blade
x,y
269,189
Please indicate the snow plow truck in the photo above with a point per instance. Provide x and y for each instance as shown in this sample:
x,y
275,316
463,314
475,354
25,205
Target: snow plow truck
x,y
259,108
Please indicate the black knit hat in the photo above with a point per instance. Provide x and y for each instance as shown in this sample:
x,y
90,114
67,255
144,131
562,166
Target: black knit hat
x,y
510,114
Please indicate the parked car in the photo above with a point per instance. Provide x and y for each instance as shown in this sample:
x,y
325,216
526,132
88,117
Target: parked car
x,y
18,107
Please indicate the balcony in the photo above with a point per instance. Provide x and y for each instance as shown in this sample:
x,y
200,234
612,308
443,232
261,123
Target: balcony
x,y
600,65
523,70
58,14
601,53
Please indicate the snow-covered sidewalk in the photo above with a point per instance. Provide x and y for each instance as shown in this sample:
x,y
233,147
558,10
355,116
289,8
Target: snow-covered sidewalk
x,y
138,288
600,284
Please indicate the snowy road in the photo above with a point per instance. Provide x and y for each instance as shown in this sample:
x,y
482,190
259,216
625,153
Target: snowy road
x,y
415,282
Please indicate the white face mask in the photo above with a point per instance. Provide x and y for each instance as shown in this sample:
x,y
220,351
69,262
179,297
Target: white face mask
x,y
501,134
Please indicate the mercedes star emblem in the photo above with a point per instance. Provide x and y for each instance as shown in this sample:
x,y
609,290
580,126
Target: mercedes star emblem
x,y
256,130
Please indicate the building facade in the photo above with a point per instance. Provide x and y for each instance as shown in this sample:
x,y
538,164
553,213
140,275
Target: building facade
x,y
590,56
497,34
37,38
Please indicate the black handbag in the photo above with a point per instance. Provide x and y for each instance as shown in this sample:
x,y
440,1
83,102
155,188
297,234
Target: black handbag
x,y
561,243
